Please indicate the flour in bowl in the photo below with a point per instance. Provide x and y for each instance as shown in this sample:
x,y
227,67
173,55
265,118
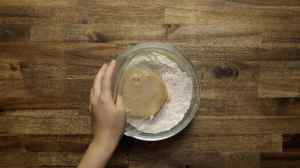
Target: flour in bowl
x,y
179,86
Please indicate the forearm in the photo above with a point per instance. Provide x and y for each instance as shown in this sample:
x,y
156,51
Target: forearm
x,y
98,154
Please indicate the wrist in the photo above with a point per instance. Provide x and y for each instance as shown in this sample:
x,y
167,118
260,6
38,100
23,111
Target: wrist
x,y
107,136
98,153
105,142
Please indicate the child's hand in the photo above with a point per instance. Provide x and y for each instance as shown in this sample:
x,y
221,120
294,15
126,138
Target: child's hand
x,y
109,116
109,120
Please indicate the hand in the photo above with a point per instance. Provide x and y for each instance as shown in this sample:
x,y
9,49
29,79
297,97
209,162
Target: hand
x,y
109,116
109,120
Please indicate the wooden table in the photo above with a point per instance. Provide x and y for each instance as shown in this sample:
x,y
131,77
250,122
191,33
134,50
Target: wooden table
x,y
246,53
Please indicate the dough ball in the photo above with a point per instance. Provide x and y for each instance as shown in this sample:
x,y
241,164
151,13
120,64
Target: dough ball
x,y
143,92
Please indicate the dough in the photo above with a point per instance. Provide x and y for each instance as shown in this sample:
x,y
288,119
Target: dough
x,y
143,92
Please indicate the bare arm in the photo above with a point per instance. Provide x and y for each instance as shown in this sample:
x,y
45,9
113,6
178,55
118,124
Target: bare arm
x,y
109,120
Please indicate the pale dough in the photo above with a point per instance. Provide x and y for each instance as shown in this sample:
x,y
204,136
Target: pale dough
x,y
143,92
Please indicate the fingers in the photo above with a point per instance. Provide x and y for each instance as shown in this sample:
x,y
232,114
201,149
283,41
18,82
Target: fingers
x,y
107,81
93,100
98,81
120,105
91,94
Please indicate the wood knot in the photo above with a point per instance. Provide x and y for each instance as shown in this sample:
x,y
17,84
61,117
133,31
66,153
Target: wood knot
x,y
14,66
98,37
6,34
187,166
84,21
12,32
170,29
225,71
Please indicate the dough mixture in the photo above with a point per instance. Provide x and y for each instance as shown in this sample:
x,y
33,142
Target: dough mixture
x,y
143,92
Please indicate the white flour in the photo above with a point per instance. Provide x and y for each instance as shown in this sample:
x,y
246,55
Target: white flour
x,y
179,86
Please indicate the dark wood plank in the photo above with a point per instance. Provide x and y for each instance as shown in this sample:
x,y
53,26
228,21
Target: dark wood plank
x,y
281,70
239,79
52,143
46,112
78,11
111,32
291,142
65,150
244,125
35,12
49,94
35,159
202,125
237,32
280,160
250,107
26,14
279,3
49,159
291,38
185,144
198,159
45,143
54,60
95,12
97,32
233,11
232,23
14,33
39,3
231,34
227,80
51,126
247,160
279,79
279,88
220,53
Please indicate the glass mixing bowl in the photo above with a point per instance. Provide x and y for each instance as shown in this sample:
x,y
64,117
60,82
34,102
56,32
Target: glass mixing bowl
x,y
125,60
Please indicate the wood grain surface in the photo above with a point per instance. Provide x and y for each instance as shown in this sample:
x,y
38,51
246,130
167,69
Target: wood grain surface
x,y
246,54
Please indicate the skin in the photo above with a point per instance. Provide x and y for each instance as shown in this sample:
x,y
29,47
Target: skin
x,y
109,120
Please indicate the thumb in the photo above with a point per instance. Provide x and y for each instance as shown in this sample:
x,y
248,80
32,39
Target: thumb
x,y
119,104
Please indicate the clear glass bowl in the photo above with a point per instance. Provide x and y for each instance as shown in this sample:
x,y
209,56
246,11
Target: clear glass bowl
x,y
124,61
